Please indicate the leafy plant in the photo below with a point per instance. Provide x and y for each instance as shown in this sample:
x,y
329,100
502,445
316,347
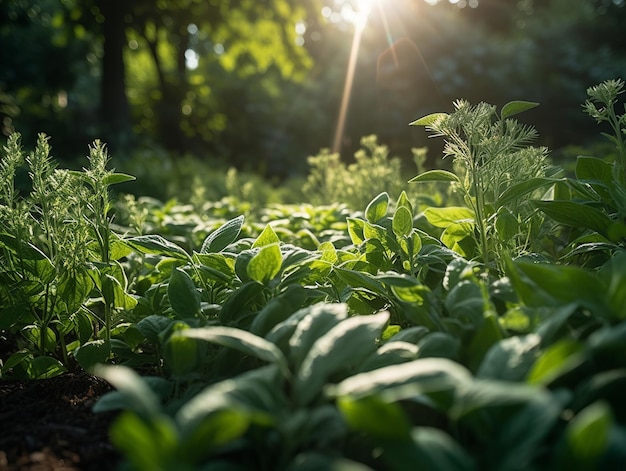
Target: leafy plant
x,y
497,163
57,249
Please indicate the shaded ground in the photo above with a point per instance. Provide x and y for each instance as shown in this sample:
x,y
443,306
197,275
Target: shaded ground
x,y
48,425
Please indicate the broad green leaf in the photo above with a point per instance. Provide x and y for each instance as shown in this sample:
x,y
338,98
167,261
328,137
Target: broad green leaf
x,y
398,280
33,334
92,353
444,217
266,264
266,237
240,302
115,294
375,417
429,120
558,359
567,284
483,339
439,345
575,214
148,444
359,279
402,222
226,234
329,253
481,396
510,359
74,289
278,309
42,367
155,244
592,168
216,266
183,295
224,411
587,435
320,318
355,230
403,201
377,208
151,326
242,341
113,178
507,225
515,192
515,107
139,397
435,176
341,348
396,382
180,352
519,442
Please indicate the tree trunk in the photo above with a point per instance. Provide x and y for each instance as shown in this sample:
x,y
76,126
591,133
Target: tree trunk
x,y
114,108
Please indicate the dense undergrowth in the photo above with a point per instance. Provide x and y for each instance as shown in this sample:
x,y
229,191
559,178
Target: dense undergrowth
x,y
473,319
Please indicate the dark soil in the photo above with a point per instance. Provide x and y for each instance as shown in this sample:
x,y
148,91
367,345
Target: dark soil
x,y
48,424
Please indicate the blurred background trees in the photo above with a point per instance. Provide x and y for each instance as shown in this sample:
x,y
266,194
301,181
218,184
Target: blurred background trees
x,y
257,84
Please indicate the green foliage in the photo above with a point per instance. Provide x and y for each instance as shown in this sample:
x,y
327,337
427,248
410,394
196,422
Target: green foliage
x,y
373,171
308,337
496,163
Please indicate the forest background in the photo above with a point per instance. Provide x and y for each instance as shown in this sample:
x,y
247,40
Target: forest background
x,y
259,84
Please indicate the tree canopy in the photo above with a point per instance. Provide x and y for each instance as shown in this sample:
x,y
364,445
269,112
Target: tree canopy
x,y
259,83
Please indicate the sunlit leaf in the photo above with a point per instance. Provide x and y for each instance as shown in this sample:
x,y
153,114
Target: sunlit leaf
x,y
515,107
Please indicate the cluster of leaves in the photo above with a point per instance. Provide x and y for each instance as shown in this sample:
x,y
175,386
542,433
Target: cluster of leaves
x,y
322,338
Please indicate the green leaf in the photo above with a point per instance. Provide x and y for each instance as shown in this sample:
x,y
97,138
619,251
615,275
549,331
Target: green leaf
x,y
510,359
429,120
151,326
183,295
45,367
507,225
138,395
515,192
223,236
558,359
403,200
435,176
375,417
91,353
318,320
359,279
266,264
266,237
113,178
594,169
587,435
180,352
567,284
242,341
355,230
147,444
396,382
515,107
74,289
377,208
444,217
575,214
343,346
155,244
439,345
402,222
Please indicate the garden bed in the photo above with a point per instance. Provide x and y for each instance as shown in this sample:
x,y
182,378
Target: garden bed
x,y
48,424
